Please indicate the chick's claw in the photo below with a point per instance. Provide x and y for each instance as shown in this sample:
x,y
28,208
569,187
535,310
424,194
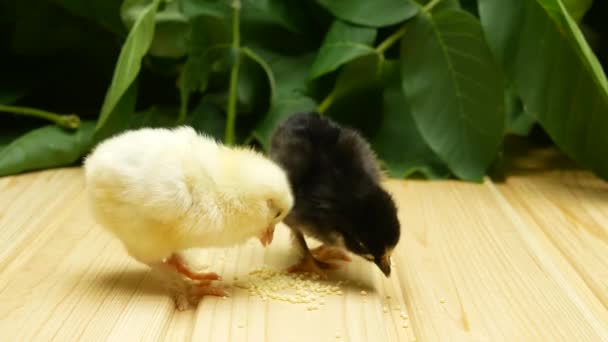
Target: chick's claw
x,y
329,253
309,264
208,290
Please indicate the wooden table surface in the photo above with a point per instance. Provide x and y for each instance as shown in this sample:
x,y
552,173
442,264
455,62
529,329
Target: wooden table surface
x,y
522,260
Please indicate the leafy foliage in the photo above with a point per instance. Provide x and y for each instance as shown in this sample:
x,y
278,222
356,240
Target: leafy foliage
x,y
129,62
342,44
372,13
435,85
46,147
445,57
559,80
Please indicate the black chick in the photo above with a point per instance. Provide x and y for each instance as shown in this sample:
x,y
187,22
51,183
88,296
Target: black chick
x,y
335,179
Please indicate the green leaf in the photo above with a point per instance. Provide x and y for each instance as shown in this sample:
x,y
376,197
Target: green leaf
x,y
195,74
212,8
278,12
455,90
121,115
193,78
376,13
129,61
46,147
470,6
577,8
171,33
280,110
290,73
355,89
444,5
397,141
254,88
555,73
343,43
272,83
363,73
517,120
209,119
154,117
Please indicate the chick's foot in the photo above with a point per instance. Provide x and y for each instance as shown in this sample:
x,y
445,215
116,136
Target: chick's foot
x,y
187,287
204,277
327,253
194,293
188,295
209,290
309,264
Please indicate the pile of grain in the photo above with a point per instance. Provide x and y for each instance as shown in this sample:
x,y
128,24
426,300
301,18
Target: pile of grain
x,y
283,286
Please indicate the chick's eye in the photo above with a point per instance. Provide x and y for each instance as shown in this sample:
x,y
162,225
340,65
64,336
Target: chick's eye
x,y
278,214
362,246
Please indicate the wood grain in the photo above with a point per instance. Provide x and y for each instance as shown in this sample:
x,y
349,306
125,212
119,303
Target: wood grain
x,y
523,261
570,208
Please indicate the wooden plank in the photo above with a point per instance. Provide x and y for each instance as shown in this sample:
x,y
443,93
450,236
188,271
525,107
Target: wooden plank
x,y
463,272
571,209
74,282
469,275
29,201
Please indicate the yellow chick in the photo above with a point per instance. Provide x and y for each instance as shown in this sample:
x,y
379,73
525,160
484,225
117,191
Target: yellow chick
x,y
162,191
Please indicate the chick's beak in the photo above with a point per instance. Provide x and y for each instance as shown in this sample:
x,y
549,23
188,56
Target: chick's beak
x,y
384,263
266,236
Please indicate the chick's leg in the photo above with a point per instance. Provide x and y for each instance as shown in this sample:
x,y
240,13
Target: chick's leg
x,y
308,263
180,266
173,282
330,253
186,294
203,281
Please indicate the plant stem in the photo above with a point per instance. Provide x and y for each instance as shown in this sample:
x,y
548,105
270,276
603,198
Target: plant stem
x,y
393,38
234,74
327,102
70,121
380,50
429,7
390,40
